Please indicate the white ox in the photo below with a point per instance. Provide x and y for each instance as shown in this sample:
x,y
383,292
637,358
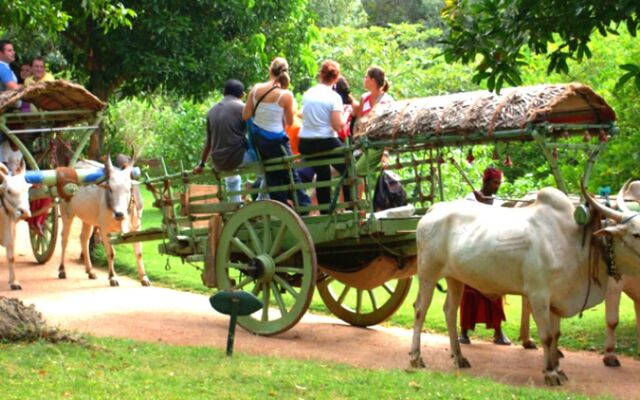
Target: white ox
x,y
630,285
112,207
535,252
14,205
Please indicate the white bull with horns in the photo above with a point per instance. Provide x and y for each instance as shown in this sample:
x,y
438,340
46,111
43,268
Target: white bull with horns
x,y
14,206
630,285
113,206
536,252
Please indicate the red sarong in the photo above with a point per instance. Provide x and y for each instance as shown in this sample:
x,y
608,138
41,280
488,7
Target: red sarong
x,y
476,308
37,223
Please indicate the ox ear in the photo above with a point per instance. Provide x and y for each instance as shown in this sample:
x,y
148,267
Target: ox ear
x,y
611,231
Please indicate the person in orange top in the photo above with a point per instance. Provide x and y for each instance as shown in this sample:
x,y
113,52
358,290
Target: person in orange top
x,y
293,133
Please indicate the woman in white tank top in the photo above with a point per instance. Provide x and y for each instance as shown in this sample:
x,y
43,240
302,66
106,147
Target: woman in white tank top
x,y
270,106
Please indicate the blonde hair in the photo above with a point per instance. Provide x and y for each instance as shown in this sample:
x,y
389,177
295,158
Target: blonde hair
x,y
279,69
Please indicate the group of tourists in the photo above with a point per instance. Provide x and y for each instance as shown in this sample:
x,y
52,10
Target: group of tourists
x,y
29,74
270,116
270,126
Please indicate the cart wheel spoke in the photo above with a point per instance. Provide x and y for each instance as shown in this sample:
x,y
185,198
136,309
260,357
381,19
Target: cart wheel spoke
x,y
286,286
277,242
266,232
388,288
285,256
358,301
265,302
238,266
372,297
279,300
244,282
288,269
243,248
256,288
257,246
343,295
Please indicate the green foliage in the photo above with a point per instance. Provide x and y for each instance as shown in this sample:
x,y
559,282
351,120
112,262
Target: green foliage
x,y
407,53
338,12
51,17
385,12
168,127
497,32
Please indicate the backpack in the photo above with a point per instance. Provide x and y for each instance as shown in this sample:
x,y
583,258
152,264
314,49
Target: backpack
x,y
389,192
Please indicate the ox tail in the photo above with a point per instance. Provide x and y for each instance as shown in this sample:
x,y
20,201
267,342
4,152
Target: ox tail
x,y
440,288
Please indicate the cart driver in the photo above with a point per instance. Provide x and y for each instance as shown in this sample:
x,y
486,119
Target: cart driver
x,y
475,307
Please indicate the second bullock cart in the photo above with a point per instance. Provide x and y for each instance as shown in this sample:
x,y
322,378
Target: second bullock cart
x,y
50,132
361,261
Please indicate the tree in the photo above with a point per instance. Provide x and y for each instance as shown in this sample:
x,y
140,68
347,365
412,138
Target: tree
x,y
49,16
498,30
385,12
338,12
186,48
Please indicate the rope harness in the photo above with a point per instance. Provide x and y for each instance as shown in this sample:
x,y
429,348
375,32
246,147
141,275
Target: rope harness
x,y
609,258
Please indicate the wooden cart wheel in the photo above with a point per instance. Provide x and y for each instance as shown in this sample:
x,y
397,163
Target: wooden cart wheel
x,y
265,248
43,243
360,307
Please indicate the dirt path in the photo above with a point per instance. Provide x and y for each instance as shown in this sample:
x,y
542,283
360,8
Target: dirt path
x,y
163,315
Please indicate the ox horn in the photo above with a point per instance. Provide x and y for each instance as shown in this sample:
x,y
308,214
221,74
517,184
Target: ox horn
x,y
602,209
620,199
4,171
108,166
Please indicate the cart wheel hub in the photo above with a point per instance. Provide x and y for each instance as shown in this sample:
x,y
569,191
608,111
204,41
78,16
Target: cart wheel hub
x,y
262,268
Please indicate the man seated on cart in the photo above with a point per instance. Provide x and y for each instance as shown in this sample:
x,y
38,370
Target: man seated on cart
x,y
226,141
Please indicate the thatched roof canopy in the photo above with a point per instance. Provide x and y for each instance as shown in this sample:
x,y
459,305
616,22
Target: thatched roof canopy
x,y
461,113
52,96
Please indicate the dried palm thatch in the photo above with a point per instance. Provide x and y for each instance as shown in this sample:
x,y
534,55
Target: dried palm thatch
x,y
463,113
52,96
20,323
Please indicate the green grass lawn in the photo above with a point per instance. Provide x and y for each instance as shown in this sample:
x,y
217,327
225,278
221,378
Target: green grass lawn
x,y
120,369
586,333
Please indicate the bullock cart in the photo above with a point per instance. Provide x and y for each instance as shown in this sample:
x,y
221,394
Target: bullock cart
x,y
361,261
50,136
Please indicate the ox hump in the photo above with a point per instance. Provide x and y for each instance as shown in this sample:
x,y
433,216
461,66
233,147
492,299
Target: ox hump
x,y
554,198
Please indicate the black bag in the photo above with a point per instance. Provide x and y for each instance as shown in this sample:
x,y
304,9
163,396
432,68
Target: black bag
x,y
389,192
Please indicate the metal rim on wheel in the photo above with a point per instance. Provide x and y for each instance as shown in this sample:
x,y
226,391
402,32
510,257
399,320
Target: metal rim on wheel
x,y
360,307
266,249
43,243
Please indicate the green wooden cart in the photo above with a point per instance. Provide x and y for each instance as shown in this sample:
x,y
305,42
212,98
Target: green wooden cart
x,y
51,137
361,261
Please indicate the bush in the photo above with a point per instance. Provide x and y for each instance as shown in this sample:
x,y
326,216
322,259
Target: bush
x,y
158,125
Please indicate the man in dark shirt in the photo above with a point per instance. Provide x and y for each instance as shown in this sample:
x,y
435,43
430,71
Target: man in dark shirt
x,y
226,140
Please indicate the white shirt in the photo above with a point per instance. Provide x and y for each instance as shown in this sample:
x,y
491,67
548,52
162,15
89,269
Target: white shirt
x,y
472,197
317,105
269,116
